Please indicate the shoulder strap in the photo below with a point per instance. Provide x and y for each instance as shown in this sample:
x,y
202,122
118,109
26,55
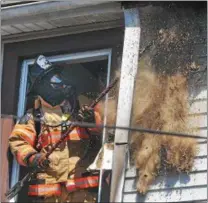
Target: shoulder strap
x,y
37,114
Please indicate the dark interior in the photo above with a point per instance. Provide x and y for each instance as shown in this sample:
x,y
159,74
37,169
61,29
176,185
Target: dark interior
x,y
90,77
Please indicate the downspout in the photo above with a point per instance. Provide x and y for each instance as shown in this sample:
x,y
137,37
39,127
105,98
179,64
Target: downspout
x,y
128,73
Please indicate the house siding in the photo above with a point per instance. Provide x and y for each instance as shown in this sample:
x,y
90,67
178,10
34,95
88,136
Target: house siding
x,y
62,15
179,187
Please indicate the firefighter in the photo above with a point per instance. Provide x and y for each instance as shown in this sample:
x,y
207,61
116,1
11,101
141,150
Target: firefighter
x,y
63,176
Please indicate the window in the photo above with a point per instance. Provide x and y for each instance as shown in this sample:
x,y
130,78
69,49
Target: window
x,y
92,68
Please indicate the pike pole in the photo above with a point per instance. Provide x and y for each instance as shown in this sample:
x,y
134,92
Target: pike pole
x,y
18,186
71,127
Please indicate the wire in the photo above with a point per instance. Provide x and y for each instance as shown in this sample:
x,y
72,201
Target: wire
x,y
144,130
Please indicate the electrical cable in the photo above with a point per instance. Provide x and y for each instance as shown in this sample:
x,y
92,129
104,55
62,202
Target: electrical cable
x,y
139,129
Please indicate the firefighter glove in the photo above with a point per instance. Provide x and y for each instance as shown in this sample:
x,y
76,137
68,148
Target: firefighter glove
x,y
86,114
39,161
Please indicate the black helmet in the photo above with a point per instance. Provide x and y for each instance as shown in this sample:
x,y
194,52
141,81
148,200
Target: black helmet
x,y
49,83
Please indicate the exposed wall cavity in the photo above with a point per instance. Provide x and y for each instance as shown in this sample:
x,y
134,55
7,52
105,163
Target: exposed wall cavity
x,y
168,58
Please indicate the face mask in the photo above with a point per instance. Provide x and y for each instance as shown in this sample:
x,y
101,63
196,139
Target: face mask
x,y
53,90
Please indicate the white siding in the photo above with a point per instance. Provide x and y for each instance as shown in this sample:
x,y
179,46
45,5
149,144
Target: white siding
x,y
67,17
171,195
178,187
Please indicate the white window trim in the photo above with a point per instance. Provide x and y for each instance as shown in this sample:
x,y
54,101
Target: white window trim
x,y
79,56
129,68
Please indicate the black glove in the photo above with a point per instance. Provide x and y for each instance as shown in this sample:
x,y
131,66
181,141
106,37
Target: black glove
x,y
39,161
86,114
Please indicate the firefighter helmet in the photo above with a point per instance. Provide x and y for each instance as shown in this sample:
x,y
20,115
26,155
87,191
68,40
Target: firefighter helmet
x,y
48,82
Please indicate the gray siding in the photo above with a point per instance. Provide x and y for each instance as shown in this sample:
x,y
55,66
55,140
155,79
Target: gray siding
x,y
180,187
65,16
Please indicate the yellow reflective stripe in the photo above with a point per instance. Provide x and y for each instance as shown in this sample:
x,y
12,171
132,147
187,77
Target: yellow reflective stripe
x,y
26,150
28,128
31,136
23,152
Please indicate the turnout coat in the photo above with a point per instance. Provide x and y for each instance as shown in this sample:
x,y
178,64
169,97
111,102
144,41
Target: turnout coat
x,y
67,164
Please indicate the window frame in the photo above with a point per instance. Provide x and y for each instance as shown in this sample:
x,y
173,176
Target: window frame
x,y
76,57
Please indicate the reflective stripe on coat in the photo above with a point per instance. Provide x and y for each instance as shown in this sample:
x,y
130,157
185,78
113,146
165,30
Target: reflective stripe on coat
x,y
71,186
62,160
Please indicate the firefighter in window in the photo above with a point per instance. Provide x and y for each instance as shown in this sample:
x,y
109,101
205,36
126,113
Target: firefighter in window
x,y
63,176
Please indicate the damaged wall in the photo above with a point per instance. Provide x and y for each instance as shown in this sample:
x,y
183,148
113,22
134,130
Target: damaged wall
x,y
172,96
